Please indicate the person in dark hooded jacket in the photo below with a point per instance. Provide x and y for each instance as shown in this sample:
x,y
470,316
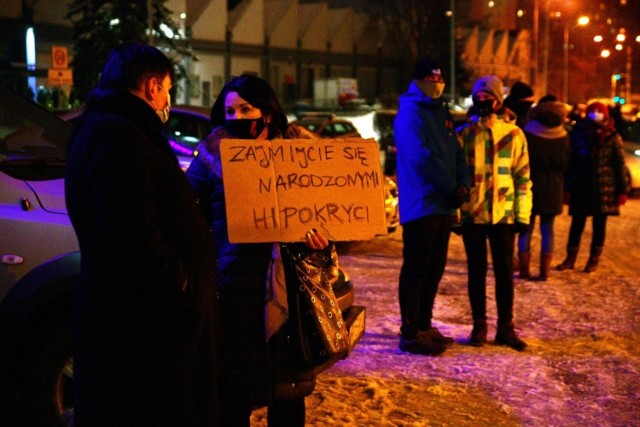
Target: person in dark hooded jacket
x,y
519,101
548,143
247,108
434,180
145,313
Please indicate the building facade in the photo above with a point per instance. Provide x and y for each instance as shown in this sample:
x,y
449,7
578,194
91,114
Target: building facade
x,y
288,42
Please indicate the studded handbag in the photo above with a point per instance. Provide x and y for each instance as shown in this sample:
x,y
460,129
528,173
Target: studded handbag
x,y
316,326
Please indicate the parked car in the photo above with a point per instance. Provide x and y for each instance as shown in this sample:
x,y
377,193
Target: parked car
x,y
391,203
383,125
326,125
630,132
186,126
41,263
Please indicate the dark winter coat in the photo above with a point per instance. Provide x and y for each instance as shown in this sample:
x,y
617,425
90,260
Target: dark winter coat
x,y
548,160
596,173
145,311
242,272
430,161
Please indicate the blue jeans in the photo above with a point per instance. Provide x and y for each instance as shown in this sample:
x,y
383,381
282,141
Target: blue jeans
x,y
546,232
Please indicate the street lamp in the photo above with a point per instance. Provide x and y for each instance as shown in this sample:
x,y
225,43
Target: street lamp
x,y
606,53
582,21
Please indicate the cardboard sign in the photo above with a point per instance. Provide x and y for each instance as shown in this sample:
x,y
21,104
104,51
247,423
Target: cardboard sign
x,y
275,191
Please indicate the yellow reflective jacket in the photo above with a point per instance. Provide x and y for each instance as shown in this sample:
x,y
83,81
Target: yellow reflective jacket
x,y
498,160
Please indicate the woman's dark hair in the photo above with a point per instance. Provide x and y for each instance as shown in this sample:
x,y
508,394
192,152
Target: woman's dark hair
x,y
257,92
130,64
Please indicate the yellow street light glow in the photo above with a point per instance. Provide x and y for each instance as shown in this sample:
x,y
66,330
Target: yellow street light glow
x,y
520,13
583,20
491,4
619,46
638,39
620,37
605,53
598,38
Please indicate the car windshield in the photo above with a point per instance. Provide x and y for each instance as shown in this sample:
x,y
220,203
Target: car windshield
x,y
33,140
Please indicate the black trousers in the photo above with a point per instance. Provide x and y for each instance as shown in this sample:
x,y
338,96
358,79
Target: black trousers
x,y
501,241
599,227
426,243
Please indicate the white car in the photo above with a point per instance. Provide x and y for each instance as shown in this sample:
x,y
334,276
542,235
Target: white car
x,y
630,131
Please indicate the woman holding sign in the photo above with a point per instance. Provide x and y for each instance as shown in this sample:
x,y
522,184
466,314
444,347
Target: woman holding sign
x,y
247,108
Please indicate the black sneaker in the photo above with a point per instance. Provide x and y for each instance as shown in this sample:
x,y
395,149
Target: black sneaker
x,y
436,336
421,344
506,335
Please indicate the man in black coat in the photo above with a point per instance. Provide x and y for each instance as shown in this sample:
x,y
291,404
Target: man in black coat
x,y
145,309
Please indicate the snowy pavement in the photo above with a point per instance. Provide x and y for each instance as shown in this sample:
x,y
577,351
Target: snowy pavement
x,y
582,366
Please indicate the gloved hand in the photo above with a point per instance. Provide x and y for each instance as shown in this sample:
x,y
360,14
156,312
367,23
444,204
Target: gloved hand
x,y
521,227
622,199
566,198
461,196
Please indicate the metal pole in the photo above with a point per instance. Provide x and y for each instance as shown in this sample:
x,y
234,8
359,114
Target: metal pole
x,y
565,69
545,64
452,52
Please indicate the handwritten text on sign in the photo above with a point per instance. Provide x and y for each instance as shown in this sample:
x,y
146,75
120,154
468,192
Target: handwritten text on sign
x,y
277,190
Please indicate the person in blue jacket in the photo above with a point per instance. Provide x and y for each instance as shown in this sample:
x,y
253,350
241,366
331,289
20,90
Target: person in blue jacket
x,y
433,181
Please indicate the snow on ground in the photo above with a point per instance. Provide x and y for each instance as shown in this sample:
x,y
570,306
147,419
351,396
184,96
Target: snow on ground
x,y
582,366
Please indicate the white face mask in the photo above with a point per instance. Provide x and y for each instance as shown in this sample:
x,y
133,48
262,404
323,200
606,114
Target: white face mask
x,y
433,90
596,116
164,112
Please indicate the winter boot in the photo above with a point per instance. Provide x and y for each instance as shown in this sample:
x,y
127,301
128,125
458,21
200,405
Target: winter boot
x,y
479,333
545,265
594,258
524,261
421,344
436,336
506,335
570,260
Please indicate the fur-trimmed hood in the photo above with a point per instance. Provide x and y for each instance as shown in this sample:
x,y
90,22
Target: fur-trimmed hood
x,y
546,119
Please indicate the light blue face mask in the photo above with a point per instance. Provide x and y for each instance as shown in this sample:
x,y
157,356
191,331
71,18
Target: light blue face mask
x,y
164,112
596,116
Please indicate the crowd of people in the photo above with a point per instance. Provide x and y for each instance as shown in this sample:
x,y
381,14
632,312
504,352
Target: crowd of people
x,y
519,162
178,334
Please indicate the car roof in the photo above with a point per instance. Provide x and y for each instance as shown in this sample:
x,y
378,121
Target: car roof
x,y
192,109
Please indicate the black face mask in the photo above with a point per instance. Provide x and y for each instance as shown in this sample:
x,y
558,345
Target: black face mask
x,y
245,128
483,108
